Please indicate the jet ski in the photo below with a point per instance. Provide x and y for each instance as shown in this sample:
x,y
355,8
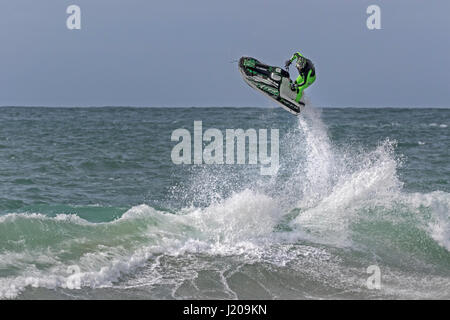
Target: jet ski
x,y
274,82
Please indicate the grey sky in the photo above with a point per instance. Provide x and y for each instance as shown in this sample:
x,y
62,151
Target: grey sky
x,y
178,53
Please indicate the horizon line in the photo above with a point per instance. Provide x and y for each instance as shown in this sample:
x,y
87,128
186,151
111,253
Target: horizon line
x,y
231,107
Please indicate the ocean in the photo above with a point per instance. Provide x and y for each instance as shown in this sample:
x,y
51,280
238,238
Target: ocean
x,y
92,206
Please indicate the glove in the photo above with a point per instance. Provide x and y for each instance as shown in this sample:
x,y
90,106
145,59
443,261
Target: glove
x,y
287,64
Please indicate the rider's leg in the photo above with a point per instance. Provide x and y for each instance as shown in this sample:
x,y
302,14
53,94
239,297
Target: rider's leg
x,y
300,89
299,80
295,84
309,81
299,94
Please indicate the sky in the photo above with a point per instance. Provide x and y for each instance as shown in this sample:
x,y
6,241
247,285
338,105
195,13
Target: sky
x,y
174,53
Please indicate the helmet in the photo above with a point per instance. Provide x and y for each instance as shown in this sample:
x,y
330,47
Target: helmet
x,y
301,63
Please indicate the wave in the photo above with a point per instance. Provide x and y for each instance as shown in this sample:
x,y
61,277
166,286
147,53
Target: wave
x,y
325,198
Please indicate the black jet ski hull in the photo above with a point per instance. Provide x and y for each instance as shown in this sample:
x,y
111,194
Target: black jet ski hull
x,y
273,82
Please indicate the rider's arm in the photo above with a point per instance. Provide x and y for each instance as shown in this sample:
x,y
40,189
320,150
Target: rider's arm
x,y
295,56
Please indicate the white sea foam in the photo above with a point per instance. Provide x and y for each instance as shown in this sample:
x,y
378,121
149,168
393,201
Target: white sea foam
x,y
70,218
439,204
225,228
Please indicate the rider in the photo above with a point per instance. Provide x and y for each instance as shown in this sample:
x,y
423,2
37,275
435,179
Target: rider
x,y
306,71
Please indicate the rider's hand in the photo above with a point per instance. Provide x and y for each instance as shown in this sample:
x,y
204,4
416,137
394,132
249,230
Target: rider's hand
x,y
287,64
